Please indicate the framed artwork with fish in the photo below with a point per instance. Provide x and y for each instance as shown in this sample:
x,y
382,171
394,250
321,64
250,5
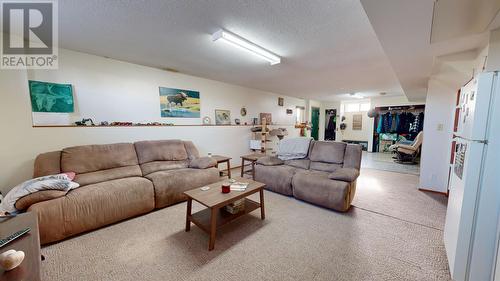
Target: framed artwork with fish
x,y
178,103
51,97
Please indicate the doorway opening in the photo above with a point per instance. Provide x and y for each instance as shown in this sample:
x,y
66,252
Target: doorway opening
x,y
397,139
330,124
315,123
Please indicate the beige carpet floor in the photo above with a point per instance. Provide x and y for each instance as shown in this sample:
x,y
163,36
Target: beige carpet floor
x,y
392,233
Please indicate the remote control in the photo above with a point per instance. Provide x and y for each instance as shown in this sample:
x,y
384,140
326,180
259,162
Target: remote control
x,y
13,237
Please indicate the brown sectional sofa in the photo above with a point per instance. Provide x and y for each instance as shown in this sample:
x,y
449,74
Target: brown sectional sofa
x,y
309,179
117,181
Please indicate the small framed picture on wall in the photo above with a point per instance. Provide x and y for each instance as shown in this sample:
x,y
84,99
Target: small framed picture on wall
x,y
222,117
281,101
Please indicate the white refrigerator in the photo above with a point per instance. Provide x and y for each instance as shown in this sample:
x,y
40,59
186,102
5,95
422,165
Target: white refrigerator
x,y
470,233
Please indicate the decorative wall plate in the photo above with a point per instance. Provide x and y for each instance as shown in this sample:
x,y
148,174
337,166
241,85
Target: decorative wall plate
x,y
243,111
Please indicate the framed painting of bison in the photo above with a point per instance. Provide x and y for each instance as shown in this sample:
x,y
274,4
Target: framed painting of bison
x,y
179,103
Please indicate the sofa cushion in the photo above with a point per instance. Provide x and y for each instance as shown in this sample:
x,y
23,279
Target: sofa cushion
x,y
324,167
161,150
315,187
25,202
299,163
169,185
109,174
344,174
270,161
155,166
47,164
191,150
328,151
93,206
352,157
91,158
203,163
276,178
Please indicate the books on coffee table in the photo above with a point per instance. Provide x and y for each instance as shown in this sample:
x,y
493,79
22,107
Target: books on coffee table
x,y
239,186
235,207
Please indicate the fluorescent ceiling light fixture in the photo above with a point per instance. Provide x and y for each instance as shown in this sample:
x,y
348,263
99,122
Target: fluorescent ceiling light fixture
x,y
246,45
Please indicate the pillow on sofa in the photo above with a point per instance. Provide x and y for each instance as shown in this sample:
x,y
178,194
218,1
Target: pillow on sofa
x,y
203,163
344,174
270,161
44,195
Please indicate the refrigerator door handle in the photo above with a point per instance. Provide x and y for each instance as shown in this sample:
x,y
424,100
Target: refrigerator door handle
x,y
467,139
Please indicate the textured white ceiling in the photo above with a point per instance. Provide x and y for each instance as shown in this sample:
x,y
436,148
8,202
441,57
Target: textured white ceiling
x,y
328,47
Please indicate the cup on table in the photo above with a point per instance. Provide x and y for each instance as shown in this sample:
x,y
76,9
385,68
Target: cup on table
x,y
226,188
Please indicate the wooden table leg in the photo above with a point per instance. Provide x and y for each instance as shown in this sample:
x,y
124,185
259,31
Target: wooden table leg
x,y
188,214
228,169
242,166
253,170
213,228
262,211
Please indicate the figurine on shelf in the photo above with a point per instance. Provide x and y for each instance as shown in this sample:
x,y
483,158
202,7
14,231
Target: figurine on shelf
x,y
121,124
84,122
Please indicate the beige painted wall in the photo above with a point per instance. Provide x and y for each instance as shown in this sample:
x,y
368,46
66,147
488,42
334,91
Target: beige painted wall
x,y
112,90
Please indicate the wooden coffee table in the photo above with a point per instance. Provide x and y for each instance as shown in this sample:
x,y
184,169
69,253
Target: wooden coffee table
x,y
214,216
28,243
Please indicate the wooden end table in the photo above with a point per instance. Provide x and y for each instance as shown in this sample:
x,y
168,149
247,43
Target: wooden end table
x,y
214,216
252,158
223,159
29,243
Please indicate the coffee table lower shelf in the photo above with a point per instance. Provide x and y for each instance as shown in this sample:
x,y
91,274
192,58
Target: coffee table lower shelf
x,y
202,218
214,216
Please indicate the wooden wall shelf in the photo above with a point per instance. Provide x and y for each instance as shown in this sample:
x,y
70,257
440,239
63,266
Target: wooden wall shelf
x,y
139,126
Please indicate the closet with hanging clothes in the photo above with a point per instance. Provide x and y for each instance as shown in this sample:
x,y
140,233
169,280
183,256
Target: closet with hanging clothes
x,y
396,124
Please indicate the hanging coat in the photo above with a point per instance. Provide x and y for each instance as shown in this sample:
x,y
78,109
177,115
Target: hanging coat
x,y
393,123
420,122
387,122
380,123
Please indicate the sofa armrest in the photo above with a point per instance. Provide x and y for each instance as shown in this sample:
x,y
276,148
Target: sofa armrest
x,y
344,174
25,202
203,163
409,147
270,161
